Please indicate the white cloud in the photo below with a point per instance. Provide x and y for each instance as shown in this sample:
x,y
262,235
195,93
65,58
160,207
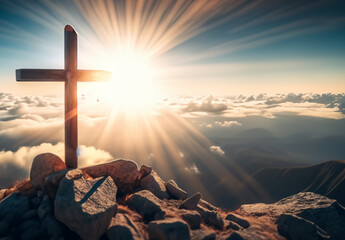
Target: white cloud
x,y
217,150
227,123
193,169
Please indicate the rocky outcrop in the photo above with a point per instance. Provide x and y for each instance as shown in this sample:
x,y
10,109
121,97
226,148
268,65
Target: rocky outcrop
x,y
86,206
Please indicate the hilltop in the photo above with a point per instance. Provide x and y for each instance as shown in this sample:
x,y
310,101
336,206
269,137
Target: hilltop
x,y
119,200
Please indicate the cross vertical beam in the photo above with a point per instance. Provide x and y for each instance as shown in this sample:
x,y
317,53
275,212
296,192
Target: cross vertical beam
x,y
70,76
71,100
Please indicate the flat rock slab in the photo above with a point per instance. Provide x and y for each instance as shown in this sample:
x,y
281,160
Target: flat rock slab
x,y
124,173
191,203
122,227
86,206
145,203
174,191
43,165
211,218
154,184
168,229
237,219
192,217
326,213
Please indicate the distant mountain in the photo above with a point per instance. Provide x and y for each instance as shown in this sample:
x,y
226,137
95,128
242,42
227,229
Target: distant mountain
x,y
326,178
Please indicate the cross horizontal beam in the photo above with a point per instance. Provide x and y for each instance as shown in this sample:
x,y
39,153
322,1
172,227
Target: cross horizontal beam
x,y
59,75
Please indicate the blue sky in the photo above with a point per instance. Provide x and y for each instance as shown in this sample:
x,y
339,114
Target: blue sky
x,y
262,46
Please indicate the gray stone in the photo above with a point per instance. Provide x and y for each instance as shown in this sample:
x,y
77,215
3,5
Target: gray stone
x,y
86,206
145,203
33,233
326,213
35,202
154,184
124,173
43,165
40,194
191,203
32,213
211,218
237,219
55,178
168,229
4,226
13,207
174,191
192,217
122,227
202,234
296,228
45,207
55,229
31,223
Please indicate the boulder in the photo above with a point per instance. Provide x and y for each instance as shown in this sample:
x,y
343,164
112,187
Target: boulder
x,y
45,208
13,207
326,213
192,217
55,178
55,229
43,165
145,203
211,218
207,205
32,213
295,228
154,184
174,191
124,173
168,229
86,206
122,227
144,171
237,219
203,234
191,203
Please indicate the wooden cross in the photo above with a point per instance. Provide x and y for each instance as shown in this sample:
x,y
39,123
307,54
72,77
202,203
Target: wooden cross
x,y
70,75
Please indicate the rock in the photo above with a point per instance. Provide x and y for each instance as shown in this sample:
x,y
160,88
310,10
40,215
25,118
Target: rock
x,y
32,213
86,206
154,184
13,207
174,191
191,203
232,225
40,194
160,215
202,234
168,229
43,165
55,229
124,173
28,224
326,213
145,203
295,228
35,202
33,234
211,218
4,226
144,171
2,194
55,178
45,207
207,205
193,218
122,227
237,219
